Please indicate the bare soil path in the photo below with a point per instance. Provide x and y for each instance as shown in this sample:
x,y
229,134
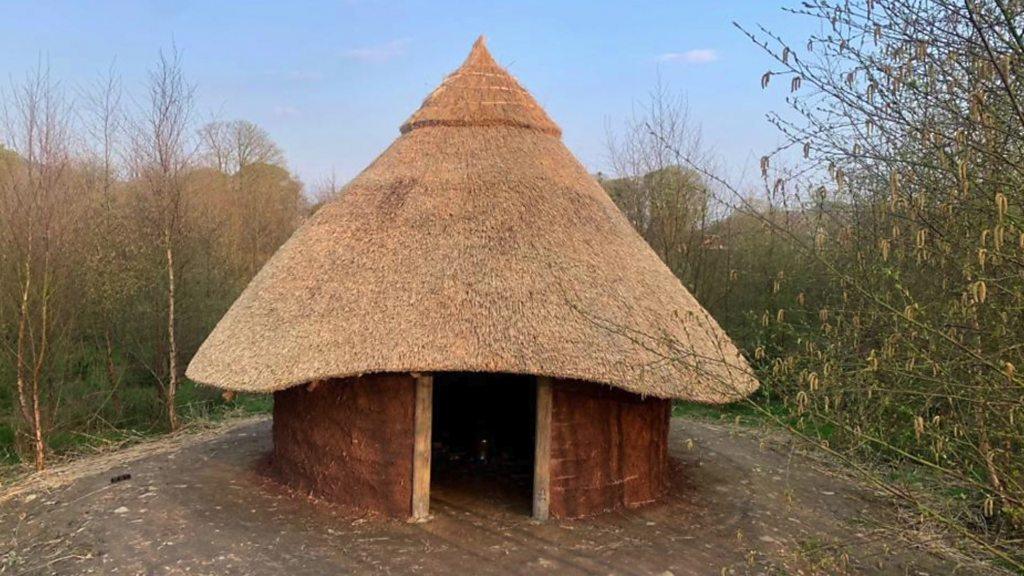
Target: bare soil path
x,y
743,502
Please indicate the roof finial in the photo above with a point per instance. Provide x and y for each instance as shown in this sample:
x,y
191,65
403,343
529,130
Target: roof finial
x,y
481,93
479,55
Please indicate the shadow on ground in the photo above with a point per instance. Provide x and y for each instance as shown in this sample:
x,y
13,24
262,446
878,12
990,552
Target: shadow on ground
x,y
741,503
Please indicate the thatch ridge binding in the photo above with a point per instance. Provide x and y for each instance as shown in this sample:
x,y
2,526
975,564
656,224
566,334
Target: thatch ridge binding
x,y
466,98
473,243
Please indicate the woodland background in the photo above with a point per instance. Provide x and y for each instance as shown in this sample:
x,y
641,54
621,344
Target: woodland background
x,y
874,278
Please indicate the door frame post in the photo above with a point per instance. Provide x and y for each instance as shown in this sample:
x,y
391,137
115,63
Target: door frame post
x,y
423,427
542,451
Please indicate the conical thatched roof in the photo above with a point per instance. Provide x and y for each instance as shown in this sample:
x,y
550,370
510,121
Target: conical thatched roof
x,y
481,93
475,242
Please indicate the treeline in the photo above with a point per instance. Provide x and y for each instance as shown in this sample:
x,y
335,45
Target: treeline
x,y
876,277
126,230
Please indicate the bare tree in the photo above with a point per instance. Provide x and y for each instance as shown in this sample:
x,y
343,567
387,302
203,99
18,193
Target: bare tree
x,y
103,121
34,204
265,199
119,249
232,146
326,189
161,157
669,205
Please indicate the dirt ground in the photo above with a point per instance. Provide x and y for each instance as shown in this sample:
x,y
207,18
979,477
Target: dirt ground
x,y
742,502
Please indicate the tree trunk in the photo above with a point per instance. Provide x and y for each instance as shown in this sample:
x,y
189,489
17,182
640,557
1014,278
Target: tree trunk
x,y
22,335
172,343
33,416
40,445
37,372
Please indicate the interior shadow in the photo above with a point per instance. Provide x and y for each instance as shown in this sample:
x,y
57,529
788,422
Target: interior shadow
x,y
483,441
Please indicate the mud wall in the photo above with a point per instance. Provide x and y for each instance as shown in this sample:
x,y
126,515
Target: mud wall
x,y
349,441
609,449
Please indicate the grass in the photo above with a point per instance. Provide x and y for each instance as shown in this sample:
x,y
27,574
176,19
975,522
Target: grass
x,y
8,457
755,411
92,422
742,413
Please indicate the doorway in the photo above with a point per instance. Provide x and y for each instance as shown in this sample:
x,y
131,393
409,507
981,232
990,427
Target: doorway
x,y
482,449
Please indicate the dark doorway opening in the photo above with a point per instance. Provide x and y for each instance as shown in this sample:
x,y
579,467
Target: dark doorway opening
x,y
483,440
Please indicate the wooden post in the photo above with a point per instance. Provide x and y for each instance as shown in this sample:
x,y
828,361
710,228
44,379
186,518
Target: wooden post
x,y
421,450
542,451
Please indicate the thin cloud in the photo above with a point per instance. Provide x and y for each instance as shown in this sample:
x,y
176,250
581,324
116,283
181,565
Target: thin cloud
x,y
697,56
379,53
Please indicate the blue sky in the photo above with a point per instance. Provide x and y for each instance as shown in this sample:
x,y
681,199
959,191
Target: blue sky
x,y
332,81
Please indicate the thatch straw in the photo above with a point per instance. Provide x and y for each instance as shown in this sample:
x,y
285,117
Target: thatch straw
x,y
481,93
475,242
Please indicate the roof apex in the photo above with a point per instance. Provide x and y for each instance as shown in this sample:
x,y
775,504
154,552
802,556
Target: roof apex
x,y
479,55
481,93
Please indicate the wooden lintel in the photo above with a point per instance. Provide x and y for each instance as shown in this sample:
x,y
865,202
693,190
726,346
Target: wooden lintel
x,y
421,450
542,451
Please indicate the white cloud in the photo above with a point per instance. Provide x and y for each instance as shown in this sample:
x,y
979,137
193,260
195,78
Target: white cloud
x,y
286,112
697,56
379,53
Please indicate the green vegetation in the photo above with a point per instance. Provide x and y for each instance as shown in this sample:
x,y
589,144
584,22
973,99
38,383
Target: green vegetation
x,y
876,279
92,421
125,234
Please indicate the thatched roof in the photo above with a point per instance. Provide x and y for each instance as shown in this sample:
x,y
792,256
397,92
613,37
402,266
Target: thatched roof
x,y
475,242
481,93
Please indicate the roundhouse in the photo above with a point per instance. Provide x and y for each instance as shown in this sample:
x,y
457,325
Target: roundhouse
x,y
472,306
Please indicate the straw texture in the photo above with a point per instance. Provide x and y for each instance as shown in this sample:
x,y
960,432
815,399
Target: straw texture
x,y
475,242
481,93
